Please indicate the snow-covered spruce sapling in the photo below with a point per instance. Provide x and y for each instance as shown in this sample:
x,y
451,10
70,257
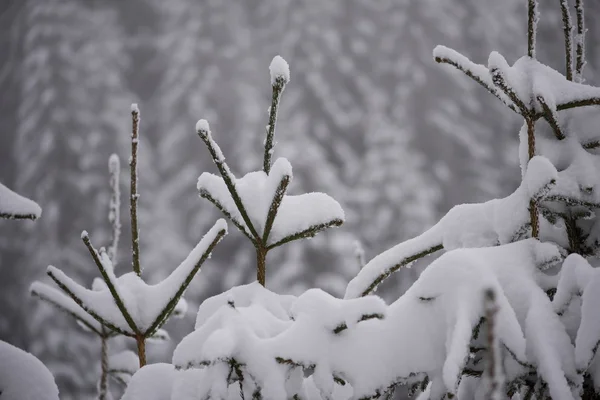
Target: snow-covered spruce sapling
x,y
257,203
127,305
114,365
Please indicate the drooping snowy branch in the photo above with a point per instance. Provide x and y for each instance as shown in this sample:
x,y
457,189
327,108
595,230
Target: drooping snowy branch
x,y
479,73
66,304
497,221
15,206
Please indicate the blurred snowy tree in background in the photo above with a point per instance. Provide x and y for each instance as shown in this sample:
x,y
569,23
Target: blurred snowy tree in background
x,y
370,106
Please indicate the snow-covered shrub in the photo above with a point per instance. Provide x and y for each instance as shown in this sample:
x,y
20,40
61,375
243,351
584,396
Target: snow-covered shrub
x,y
515,286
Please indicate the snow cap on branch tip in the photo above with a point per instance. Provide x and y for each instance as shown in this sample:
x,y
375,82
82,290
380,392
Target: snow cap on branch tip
x,y
113,163
202,126
135,108
84,235
221,225
279,69
497,61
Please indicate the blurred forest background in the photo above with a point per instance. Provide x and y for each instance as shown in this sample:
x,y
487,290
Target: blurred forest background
x,y
368,118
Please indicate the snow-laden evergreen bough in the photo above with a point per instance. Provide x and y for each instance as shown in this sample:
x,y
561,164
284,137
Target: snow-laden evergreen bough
x,y
507,311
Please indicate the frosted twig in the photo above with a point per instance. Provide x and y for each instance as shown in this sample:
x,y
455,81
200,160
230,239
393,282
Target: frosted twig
x,y
568,32
114,212
468,68
279,77
170,306
532,21
552,117
203,130
135,234
275,203
309,232
580,41
205,194
500,81
109,283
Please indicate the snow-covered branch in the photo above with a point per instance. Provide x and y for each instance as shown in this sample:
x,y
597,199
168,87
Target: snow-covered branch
x,y
134,196
15,206
280,76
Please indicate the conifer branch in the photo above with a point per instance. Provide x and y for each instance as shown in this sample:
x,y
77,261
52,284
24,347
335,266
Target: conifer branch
x,y
275,203
109,283
405,261
309,232
135,234
114,213
532,21
593,144
568,32
42,296
500,82
203,130
590,101
166,311
5,215
552,117
52,274
471,74
205,194
278,84
580,41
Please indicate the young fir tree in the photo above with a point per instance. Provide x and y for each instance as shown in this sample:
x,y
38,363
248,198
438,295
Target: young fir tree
x,y
122,365
529,252
127,305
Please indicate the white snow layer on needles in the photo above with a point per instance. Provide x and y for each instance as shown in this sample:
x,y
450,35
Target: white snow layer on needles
x,y
152,382
531,79
296,214
144,302
498,221
13,205
59,299
279,68
370,345
24,377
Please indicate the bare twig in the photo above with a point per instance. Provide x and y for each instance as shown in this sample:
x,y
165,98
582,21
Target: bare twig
x,y
278,87
552,117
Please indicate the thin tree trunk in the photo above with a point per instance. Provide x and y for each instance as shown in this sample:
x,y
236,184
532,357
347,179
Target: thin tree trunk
x,y
261,257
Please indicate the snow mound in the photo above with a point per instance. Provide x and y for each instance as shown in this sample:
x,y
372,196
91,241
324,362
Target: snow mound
x,y
152,382
23,376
